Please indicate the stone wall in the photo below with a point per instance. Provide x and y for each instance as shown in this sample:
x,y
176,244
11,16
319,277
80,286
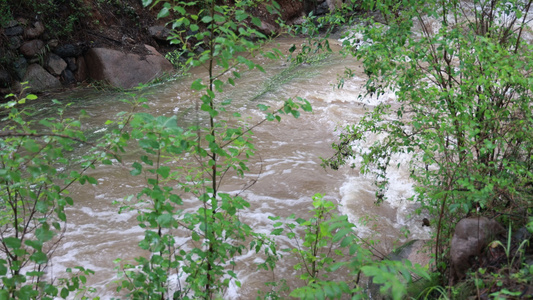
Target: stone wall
x,y
32,56
28,53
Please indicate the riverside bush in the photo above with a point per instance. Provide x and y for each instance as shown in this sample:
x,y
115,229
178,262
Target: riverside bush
x,y
461,72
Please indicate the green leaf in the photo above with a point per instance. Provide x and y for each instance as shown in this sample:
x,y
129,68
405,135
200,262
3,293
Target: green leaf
x,y
43,233
207,19
64,293
256,21
197,85
12,242
164,171
137,169
292,48
277,231
219,18
31,145
295,114
240,15
145,4
3,267
165,220
91,180
163,13
263,107
341,234
37,245
39,258
218,85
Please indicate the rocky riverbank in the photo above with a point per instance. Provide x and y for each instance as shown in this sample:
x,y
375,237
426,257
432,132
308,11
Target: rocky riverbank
x,y
54,46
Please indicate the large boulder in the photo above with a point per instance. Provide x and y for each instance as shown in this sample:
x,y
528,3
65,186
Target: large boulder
x,y
470,237
126,70
39,80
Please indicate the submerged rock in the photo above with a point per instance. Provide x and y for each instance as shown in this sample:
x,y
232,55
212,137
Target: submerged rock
x,y
417,251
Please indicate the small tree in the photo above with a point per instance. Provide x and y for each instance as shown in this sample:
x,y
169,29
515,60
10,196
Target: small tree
x,y
192,162
37,166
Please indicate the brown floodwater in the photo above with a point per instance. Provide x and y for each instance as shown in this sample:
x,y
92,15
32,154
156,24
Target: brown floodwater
x,y
286,170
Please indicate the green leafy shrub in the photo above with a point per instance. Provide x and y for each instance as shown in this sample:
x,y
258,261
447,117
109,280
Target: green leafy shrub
x,y
327,245
37,165
180,163
463,90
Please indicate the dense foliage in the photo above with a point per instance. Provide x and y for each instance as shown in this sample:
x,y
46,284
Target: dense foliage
x,y
461,73
33,192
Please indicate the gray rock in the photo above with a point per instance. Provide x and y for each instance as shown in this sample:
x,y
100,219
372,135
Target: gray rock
x,y
68,50
126,70
159,32
31,48
522,234
34,31
68,77
19,67
5,78
22,21
11,23
53,44
39,80
470,237
55,64
15,42
417,251
71,63
12,31
322,9
334,4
